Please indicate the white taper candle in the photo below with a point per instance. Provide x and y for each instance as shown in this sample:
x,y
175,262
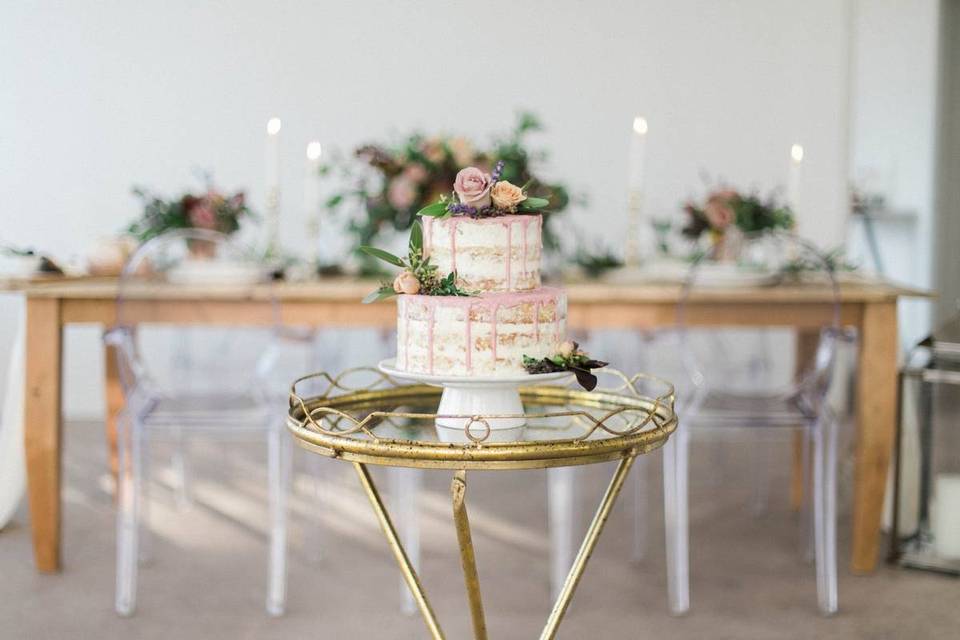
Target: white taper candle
x,y
311,197
635,177
272,176
793,177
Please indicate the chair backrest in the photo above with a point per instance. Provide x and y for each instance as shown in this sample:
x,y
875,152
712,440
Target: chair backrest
x,y
786,353
166,349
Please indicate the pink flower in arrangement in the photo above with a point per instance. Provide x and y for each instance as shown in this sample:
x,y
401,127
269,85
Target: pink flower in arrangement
x,y
473,187
461,149
432,149
202,215
415,172
719,211
402,193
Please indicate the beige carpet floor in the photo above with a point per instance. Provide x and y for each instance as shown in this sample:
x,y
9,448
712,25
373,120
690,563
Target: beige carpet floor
x,y
207,573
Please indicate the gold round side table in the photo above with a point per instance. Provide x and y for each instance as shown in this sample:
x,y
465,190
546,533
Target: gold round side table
x,y
364,417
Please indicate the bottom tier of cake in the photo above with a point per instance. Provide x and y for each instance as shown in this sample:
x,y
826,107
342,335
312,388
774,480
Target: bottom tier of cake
x,y
479,336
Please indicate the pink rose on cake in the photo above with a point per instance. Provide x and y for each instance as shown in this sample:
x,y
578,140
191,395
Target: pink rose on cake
x,y
473,188
507,196
406,282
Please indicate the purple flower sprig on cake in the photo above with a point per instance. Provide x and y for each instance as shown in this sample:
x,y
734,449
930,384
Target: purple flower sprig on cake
x,y
456,208
483,195
497,172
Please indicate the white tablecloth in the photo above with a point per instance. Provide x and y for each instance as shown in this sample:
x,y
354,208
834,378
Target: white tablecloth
x,y
12,463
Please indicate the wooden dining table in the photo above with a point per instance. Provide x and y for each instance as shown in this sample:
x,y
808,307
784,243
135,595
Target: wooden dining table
x,y
54,304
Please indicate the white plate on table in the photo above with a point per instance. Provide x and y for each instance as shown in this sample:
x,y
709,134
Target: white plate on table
x,y
19,266
217,272
732,275
708,274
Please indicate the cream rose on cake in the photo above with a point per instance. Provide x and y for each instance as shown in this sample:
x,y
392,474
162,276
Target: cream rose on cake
x,y
506,196
406,282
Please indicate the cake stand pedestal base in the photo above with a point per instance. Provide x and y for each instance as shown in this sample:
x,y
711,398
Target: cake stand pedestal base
x,y
464,398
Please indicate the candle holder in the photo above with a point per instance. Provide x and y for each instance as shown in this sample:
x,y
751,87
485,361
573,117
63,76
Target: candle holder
x,y
926,505
632,254
273,221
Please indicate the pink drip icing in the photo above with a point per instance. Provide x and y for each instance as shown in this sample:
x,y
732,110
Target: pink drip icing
x,y
469,310
433,309
504,298
523,240
488,304
509,227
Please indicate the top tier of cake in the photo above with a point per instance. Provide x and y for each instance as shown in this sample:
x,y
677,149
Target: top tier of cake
x,y
488,254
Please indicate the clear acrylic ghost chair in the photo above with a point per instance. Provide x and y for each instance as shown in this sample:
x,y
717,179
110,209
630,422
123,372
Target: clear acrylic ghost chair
x,y
564,513
226,393
405,484
719,391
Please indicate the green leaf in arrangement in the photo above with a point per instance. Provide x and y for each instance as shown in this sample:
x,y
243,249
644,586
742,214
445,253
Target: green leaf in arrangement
x,y
435,210
416,237
386,256
533,204
380,294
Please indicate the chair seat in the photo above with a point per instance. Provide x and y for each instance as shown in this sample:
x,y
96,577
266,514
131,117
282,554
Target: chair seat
x,y
206,410
734,410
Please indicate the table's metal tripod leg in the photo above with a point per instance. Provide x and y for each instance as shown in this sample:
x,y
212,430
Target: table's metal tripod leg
x,y
586,549
409,573
468,559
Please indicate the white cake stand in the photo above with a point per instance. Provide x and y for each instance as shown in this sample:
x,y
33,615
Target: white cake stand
x,y
477,395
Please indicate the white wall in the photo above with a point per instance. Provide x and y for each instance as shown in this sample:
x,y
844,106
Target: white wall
x,y
893,131
98,96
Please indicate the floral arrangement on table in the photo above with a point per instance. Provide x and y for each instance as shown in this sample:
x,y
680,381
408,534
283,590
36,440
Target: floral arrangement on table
x,y
729,213
418,275
390,183
569,358
831,260
595,262
211,209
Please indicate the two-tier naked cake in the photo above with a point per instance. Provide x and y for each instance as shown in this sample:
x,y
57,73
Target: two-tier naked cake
x,y
511,315
470,303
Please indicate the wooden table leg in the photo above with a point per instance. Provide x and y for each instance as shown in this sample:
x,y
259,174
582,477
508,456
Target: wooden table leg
x,y
876,419
42,429
114,398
